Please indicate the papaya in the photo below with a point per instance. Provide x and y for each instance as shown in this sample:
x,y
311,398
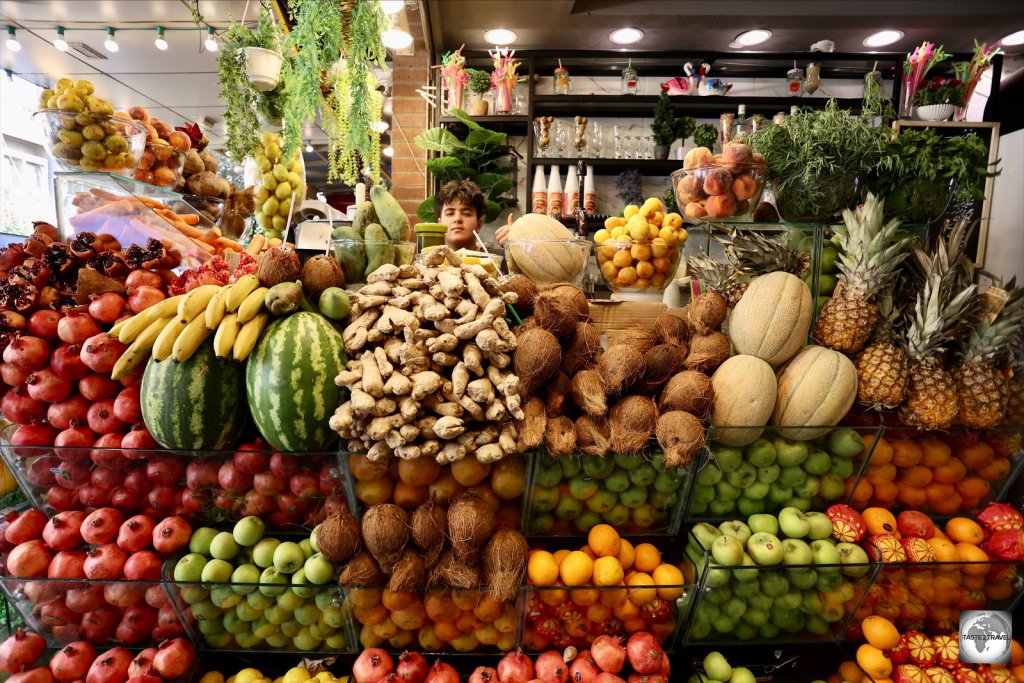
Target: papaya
x,y
379,250
390,214
350,254
365,215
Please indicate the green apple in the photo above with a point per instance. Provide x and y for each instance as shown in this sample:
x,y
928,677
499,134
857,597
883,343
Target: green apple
x,y
264,629
189,568
220,641
290,627
745,589
793,522
545,500
301,585
769,473
808,489
549,473
853,559
790,453
617,482
722,508
194,593
715,666
568,508
234,625
288,557
726,491
811,602
224,597
570,467
305,641
258,600
273,582
717,577
816,625
333,617
723,624
780,494
787,619
761,452
743,476
833,613
845,442
755,617
307,548
728,551
217,571
223,546
276,614
705,534
716,598
290,600
542,523
831,487
664,501
765,549
703,494
734,607
625,461
828,580
756,490
748,572
700,631
643,474
244,578
742,674
327,598
768,631
826,556
263,552
248,531
709,475
728,459
248,640
796,553
307,614
744,631
206,611
801,504
247,612
792,476
603,501
318,570
336,642
587,521
760,602
821,525
617,516
582,487
817,462
803,579
201,540
746,507
841,467
210,627
766,523
598,467
644,516
736,529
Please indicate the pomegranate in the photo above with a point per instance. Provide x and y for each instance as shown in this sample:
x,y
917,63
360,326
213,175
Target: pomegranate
x,y
57,613
12,375
372,665
75,328
102,419
646,678
136,534
107,307
123,594
40,674
43,324
250,461
605,677
257,504
332,505
289,502
141,298
33,438
92,496
608,653
61,498
21,651
100,624
515,667
101,526
145,679
143,566
110,667
231,478
101,351
442,673
20,408
483,674
583,668
162,500
5,521
284,465
551,668
47,386
105,562
142,665
138,443
268,484
304,485
331,480
125,500
97,387
201,474
40,472
63,531
136,624
644,652
136,480
171,535
84,599
106,452
28,526
40,592
411,668
73,661
74,440
195,501
106,478
157,598
126,406
143,278
28,353
73,474
67,564
67,362
70,412
165,469
173,658
166,617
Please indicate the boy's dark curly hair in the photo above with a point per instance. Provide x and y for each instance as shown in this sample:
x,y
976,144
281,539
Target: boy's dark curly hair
x,y
465,191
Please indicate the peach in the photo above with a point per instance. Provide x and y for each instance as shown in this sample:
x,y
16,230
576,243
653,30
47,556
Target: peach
x,y
718,181
138,113
691,188
143,176
164,177
146,160
179,140
695,210
742,207
744,186
696,157
162,129
759,159
737,156
721,205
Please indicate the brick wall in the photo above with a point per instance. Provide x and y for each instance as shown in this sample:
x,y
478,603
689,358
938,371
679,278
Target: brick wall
x,y
409,119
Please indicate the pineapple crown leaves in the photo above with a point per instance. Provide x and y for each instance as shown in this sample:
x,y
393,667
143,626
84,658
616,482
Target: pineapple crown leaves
x,y
991,341
948,257
938,317
754,254
715,275
890,319
869,250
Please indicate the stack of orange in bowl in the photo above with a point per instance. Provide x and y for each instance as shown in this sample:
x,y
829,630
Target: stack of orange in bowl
x,y
639,251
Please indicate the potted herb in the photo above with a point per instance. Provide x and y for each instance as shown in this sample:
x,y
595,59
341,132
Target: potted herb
x,y
938,98
479,83
666,128
706,135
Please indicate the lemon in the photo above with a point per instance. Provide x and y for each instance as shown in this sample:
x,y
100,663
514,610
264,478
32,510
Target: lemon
x,y
249,675
296,674
601,235
283,190
630,211
212,677
618,232
325,676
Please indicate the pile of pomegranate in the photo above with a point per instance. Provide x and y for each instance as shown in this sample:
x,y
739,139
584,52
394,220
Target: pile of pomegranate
x,y
639,660
112,566
79,661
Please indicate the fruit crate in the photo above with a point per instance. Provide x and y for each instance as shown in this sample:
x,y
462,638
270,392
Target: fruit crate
x,y
773,601
285,489
636,494
773,470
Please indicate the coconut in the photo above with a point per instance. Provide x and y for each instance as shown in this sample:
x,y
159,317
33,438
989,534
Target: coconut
x,y
681,435
505,564
661,363
707,312
470,523
450,572
410,572
588,392
556,315
385,533
537,358
593,435
534,423
338,537
277,265
572,295
635,338
320,272
582,351
671,329
632,422
707,351
528,324
427,528
362,570
556,392
560,436
620,367
690,391
522,287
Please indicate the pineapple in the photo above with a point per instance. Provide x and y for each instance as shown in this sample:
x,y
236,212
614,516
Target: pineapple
x,y
753,254
1015,387
717,277
882,367
868,255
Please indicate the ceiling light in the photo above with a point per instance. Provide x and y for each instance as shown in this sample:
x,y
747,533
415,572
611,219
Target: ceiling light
x,y
309,147
753,37
380,126
392,6
626,36
883,38
59,41
12,40
499,36
388,151
1013,39
396,39
110,43
160,43
211,42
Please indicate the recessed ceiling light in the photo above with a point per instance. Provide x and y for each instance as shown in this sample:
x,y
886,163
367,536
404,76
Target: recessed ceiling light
x,y
59,41
211,40
392,6
883,38
1013,39
753,37
500,36
388,151
160,42
396,39
110,43
12,40
626,36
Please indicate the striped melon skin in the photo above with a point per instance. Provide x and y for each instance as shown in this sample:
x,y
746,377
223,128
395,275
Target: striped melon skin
x,y
744,399
772,318
815,389
289,379
552,258
196,405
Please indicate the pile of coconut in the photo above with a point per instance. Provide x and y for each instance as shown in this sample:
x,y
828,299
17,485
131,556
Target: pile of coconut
x,y
460,547
581,397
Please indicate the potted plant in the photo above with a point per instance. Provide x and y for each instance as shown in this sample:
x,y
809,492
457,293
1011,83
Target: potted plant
x,y
479,83
705,135
666,128
938,98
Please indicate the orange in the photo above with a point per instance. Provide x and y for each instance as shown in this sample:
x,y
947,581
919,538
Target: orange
x,y
862,493
446,630
668,575
910,496
542,568
935,452
560,554
626,610
420,471
943,498
978,559
969,504
553,597
410,497
906,453
880,632
885,492
1018,673
849,671
950,473
641,589
976,455
604,540
488,609
944,549
973,487
576,569
963,530
647,557
398,600
972,583
918,475
589,552
598,613
913,609
995,470
465,598
607,571
584,597
998,591
880,473
880,521
873,661
1016,653
627,555
882,452
612,597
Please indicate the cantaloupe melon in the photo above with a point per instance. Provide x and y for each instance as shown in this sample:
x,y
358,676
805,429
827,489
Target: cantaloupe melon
x,y
548,253
744,399
772,318
815,389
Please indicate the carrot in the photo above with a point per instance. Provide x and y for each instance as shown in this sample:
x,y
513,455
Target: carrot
x,y
209,236
206,247
190,218
256,245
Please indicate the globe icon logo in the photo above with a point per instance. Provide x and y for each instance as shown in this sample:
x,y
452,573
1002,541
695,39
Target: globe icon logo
x,y
985,637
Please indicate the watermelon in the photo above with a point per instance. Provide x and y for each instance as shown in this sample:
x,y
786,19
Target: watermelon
x,y
289,379
196,405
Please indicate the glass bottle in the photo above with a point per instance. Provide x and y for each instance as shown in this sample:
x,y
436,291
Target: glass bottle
x,y
728,127
741,125
562,81
629,79
795,81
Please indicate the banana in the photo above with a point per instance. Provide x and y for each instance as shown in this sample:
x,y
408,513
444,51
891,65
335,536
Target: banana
x,y
224,339
134,326
252,305
136,354
196,301
243,287
115,331
194,334
216,309
248,336
164,343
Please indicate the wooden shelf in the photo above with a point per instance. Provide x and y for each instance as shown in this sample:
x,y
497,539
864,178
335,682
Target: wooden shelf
x,y
652,167
510,125
692,105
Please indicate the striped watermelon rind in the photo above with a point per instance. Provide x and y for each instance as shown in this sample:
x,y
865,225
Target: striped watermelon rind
x,y
289,380
196,405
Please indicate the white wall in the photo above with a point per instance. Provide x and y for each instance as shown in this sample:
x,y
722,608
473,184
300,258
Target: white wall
x,y
1004,252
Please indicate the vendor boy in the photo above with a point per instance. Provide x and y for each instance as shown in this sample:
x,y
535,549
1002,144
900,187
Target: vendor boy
x,y
461,210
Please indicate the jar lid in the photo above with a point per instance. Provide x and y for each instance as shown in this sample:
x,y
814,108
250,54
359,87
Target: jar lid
x,y
430,228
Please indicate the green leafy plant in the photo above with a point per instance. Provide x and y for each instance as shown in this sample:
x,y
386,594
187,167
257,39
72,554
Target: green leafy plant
x,y
666,128
705,135
481,157
479,81
940,91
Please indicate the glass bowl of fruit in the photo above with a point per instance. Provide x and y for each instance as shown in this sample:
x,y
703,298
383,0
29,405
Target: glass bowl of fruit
x,y
719,187
644,266
83,141
548,261
160,164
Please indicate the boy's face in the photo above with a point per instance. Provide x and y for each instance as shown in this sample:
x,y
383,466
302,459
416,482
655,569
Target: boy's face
x,y
461,220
